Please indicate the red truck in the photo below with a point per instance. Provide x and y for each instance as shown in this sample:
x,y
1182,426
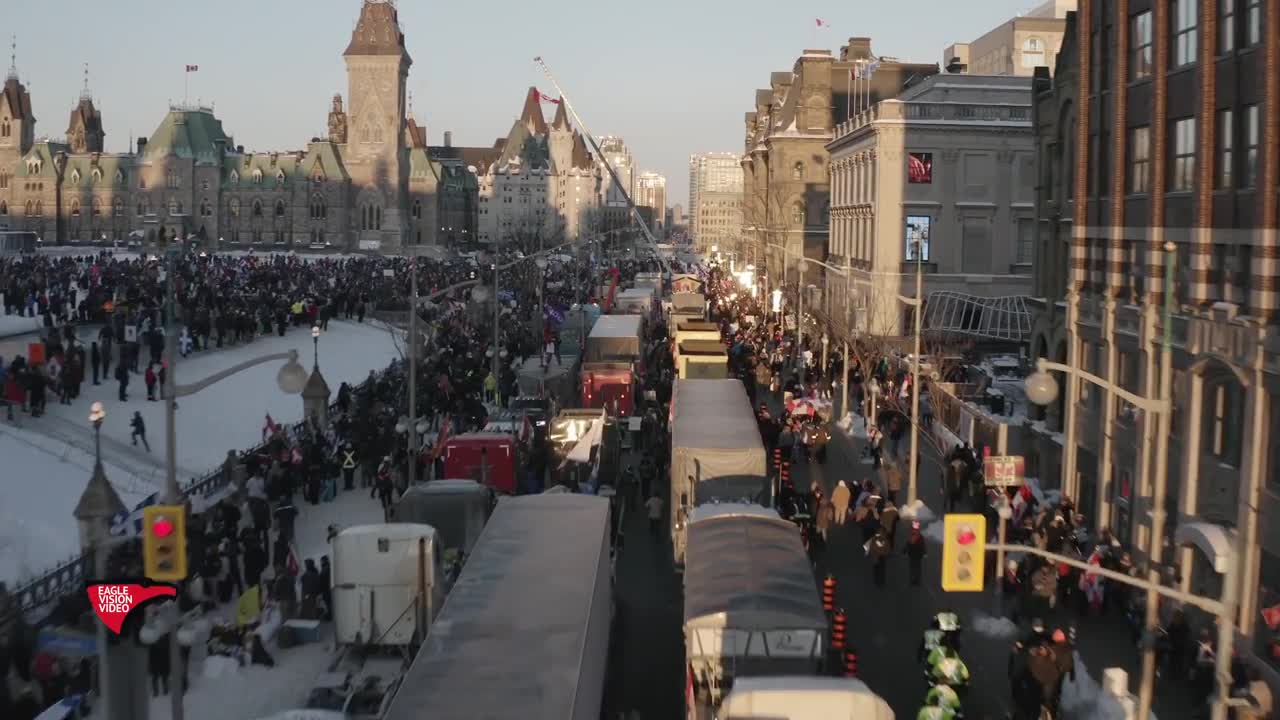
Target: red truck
x,y
607,383
490,459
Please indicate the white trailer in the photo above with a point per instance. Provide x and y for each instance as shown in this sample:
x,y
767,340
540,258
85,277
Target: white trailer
x,y
751,606
524,634
799,697
386,580
716,451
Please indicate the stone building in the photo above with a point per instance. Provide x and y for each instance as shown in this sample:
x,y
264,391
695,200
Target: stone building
x,y
715,201
371,184
1196,163
785,174
1016,46
539,186
947,169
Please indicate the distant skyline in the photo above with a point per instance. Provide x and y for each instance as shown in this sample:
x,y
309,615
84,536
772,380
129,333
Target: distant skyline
x,y
670,78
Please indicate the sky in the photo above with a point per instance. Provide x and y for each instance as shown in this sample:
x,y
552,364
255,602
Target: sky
x,y
671,77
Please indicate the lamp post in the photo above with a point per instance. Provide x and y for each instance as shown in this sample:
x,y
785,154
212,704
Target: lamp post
x,y
540,315
291,378
315,346
873,391
914,462
97,505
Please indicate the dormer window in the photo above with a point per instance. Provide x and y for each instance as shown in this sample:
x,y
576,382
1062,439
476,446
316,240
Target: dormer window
x,y
75,177
97,175
280,177
257,177
797,171
34,167
235,177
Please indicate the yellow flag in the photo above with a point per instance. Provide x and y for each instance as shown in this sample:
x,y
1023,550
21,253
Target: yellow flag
x,y
248,605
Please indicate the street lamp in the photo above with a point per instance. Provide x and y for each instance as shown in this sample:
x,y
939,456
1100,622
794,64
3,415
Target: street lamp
x,y
315,344
539,315
98,504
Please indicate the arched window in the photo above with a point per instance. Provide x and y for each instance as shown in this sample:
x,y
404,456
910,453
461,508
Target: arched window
x,y
797,214
280,177
364,217
234,207
257,208
797,171
75,208
171,180
173,207
39,209
97,175
1224,416
4,208
141,209
4,180
117,207
4,129
120,177
257,177
318,209
30,209
95,207
206,210
234,177
377,218
279,208
417,209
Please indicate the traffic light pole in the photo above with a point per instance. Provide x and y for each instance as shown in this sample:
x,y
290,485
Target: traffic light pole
x,y
173,494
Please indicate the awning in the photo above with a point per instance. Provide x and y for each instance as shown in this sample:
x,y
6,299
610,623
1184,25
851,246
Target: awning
x,y
1215,541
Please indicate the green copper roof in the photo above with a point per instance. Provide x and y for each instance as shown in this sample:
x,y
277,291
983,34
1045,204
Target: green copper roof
x,y
82,166
189,134
41,153
323,156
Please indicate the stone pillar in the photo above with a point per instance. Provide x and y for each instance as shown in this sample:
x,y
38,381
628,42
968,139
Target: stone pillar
x,y
315,398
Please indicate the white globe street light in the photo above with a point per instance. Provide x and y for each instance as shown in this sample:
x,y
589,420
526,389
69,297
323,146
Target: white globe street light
x,y
1041,387
292,378
480,293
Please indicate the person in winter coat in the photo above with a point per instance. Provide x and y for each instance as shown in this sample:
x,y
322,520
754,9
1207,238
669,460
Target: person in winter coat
x,y
150,379
915,551
825,518
383,487
840,498
158,666
878,550
311,590
139,431
889,521
122,376
285,515
284,590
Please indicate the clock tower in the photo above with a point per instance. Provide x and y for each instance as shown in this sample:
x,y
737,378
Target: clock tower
x,y
375,154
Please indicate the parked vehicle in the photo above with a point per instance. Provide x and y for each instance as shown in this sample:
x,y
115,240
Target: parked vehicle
x,y
609,385
800,697
616,338
490,459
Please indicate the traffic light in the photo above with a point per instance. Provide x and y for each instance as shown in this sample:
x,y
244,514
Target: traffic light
x,y
963,552
164,542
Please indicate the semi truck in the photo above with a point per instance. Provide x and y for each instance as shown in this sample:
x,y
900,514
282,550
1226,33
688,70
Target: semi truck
x,y
615,338
751,607
609,385
524,634
701,360
716,451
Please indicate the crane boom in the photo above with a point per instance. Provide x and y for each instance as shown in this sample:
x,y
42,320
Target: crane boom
x,y
635,213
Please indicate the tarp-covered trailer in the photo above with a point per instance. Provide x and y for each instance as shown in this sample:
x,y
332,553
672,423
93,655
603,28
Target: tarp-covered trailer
x,y
751,607
695,330
801,697
716,451
615,338
457,509
524,634
702,360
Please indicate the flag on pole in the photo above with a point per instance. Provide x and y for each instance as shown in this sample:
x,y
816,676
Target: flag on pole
x,y
821,22
269,428
547,98
192,68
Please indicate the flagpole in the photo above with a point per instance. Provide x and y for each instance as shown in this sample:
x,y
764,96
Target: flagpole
x,y
848,95
186,84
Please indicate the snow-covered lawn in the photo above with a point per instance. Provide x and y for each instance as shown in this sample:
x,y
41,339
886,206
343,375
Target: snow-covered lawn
x,y
18,325
230,415
41,483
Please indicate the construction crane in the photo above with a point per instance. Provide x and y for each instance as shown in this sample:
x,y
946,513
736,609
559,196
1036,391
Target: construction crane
x,y
635,213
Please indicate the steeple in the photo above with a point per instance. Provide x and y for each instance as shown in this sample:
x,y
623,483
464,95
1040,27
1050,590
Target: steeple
x,y
561,121
377,31
13,58
531,117
85,93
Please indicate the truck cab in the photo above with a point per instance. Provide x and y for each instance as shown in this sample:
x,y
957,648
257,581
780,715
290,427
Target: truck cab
x,y
609,385
490,459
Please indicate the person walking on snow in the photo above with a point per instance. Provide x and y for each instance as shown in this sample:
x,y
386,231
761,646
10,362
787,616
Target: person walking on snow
x,y
139,431
840,501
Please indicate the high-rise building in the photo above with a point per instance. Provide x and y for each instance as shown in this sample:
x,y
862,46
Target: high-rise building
x,y
1017,46
1159,171
616,213
715,199
651,192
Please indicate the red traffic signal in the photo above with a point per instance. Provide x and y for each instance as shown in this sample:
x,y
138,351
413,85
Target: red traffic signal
x,y
162,527
966,536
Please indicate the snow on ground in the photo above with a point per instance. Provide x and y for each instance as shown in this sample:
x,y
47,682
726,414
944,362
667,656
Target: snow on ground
x,y
1001,628
918,511
41,484
1084,698
231,414
220,690
18,325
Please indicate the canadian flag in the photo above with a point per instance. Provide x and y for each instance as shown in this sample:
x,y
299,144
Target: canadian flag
x,y
269,428
442,438
547,98
821,22
193,68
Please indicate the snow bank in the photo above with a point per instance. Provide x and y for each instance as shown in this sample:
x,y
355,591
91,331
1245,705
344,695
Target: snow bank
x,y
18,325
1084,699
42,482
1000,628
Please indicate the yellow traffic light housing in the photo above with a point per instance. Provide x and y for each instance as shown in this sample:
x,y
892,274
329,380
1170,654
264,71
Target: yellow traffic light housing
x,y
964,548
164,542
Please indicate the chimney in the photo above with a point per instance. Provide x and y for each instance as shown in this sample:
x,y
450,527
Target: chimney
x,y
955,67
142,145
448,138
859,48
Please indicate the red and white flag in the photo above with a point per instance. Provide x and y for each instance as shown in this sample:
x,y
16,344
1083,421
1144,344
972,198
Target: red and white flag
x,y
547,98
1271,616
193,68
269,428
821,22
442,438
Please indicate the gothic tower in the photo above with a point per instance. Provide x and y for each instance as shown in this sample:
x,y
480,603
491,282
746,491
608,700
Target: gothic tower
x,y
376,156
84,131
17,124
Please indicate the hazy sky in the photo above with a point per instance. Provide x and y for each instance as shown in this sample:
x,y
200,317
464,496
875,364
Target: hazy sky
x,y
672,77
